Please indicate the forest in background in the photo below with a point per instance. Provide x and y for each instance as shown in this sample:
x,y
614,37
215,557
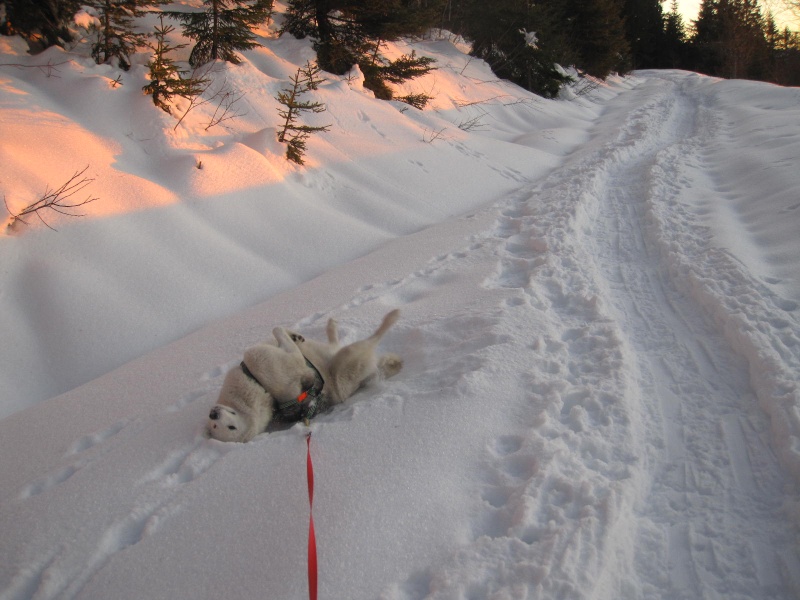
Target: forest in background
x,y
523,41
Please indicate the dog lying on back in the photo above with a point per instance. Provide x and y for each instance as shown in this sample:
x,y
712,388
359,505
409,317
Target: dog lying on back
x,y
296,379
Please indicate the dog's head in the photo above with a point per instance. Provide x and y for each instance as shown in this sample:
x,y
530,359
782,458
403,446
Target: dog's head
x,y
228,425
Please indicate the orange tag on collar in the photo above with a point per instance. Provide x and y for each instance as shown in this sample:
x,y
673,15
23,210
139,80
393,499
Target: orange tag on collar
x,y
302,396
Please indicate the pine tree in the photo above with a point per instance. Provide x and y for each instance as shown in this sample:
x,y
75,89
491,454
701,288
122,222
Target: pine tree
x,y
116,37
597,32
338,39
223,28
673,53
644,31
787,58
515,38
43,23
730,39
299,19
292,133
350,32
166,79
706,43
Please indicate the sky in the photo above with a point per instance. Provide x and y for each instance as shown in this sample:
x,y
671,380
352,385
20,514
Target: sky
x,y
690,8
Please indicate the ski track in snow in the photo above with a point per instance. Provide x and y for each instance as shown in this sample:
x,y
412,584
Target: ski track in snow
x,y
716,495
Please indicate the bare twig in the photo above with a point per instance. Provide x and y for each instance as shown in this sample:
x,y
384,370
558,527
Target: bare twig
x,y
57,200
466,65
514,102
225,107
430,136
201,76
46,69
473,124
194,102
585,86
465,103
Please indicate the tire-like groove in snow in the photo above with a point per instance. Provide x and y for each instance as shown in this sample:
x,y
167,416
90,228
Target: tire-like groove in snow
x,y
716,492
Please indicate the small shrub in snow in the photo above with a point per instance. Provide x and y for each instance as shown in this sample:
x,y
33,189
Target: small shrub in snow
x,y
58,200
293,133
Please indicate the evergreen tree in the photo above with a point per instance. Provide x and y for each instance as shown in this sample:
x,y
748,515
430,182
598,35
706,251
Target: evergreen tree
x,y
293,133
223,28
513,37
596,30
116,37
523,41
673,52
730,39
644,31
43,23
166,79
300,19
786,58
350,32
706,43
387,21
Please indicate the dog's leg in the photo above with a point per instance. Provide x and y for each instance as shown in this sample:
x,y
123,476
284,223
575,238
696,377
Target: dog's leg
x,y
333,332
389,320
355,364
285,342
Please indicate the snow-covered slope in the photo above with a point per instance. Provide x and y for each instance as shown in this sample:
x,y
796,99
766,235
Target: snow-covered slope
x,y
600,327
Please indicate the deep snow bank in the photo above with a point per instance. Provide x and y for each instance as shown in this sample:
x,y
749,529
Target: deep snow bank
x,y
193,224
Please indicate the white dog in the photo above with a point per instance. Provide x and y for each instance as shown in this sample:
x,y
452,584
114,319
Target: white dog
x,y
296,380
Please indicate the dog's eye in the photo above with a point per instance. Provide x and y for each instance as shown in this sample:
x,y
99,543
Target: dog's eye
x,y
232,427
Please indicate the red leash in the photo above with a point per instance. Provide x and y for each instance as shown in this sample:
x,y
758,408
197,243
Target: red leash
x,y
312,539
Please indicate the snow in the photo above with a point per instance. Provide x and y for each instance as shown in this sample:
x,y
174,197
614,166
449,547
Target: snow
x,y
599,324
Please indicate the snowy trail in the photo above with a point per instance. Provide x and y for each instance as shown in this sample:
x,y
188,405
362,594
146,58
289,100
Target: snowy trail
x,y
716,494
640,462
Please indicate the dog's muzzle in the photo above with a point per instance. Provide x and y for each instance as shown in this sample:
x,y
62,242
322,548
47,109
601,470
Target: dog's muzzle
x,y
214,414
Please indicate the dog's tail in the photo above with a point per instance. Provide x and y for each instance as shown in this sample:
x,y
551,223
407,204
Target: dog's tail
x,y
389,320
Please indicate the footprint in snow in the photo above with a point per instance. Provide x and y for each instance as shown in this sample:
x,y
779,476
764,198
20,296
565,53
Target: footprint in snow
x,y
92,440
47,482
187,464
63,474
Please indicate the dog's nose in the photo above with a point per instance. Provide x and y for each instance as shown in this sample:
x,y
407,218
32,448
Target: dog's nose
x,y
214,414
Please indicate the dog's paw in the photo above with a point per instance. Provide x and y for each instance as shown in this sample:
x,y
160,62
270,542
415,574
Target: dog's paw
x,y
296,337
389,365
